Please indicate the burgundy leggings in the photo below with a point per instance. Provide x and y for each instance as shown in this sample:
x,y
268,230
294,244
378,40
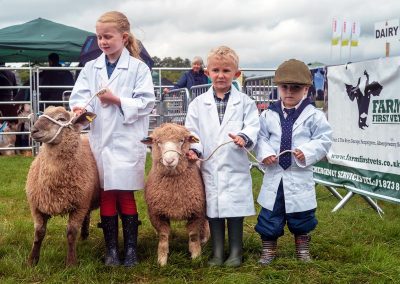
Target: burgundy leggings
x,y
125,200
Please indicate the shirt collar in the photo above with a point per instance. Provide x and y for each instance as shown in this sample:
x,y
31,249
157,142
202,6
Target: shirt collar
x,y
113,65
226,95
296,106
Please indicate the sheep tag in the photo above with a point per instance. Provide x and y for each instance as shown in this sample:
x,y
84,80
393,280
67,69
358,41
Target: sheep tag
x,y
84,118
192,139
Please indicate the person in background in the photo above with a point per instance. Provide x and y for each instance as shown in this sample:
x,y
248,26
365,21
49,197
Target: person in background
x,y
293,136
193,77
54,78
213,117
7,79
122,121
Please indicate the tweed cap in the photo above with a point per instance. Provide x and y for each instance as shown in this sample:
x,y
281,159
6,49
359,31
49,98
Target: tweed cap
x,y
293,71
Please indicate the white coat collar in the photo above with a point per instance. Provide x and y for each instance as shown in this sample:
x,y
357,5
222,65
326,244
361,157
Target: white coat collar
x,y
209,101
123,63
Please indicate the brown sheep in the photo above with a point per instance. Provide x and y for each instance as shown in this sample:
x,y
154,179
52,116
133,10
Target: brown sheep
x,y
174,189
63,178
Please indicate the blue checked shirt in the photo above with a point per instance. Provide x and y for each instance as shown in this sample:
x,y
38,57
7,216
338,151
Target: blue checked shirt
x,y
221,108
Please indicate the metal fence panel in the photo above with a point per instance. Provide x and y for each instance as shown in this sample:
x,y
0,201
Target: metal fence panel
x,y
262,90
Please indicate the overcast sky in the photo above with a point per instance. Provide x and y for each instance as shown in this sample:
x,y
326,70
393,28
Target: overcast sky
x,y
263,32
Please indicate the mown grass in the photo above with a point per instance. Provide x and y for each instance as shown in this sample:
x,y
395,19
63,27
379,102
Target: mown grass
x,y
353,245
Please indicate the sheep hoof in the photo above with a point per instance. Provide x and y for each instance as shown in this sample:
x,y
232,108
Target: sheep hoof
x,y
162,261
196,253
32,261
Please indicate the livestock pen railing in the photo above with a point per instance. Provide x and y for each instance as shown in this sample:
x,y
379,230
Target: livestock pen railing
x,y
31,91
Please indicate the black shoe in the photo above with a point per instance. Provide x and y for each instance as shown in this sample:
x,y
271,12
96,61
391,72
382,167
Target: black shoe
x,y
235,234
130,230
109,224
217,230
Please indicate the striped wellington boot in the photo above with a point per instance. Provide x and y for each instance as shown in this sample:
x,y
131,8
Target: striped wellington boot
x,y
268,253
303,247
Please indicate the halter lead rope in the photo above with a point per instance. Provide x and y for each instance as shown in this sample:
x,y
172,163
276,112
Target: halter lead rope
x,y
62,125
260,162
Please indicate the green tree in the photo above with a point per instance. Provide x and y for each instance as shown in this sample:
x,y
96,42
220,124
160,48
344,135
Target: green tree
x,y
172,75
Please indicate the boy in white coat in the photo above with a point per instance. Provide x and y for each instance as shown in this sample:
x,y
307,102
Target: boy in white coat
x,y
214,116
301,133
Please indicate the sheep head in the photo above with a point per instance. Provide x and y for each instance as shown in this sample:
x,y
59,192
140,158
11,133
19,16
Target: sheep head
x,y
170,143
55,120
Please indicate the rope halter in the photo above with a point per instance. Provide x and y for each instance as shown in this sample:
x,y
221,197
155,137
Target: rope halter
x,y
62,125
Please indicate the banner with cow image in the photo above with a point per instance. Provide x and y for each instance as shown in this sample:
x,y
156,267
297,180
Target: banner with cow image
x,y
364,112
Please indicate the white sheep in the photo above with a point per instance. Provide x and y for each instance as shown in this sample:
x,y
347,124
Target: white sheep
x,y
63,178
174,189
7,140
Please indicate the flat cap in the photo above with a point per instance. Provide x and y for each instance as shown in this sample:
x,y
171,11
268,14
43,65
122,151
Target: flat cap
x,y
293,71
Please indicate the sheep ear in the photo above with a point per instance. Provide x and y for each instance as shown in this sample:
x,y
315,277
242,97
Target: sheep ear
x,y
147,140
84,119
192,139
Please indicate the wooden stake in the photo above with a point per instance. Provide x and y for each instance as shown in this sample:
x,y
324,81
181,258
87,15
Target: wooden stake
x,y
387,49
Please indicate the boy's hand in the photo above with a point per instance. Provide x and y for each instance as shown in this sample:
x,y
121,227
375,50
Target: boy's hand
x,y
237,140
108,97
270,160
192,156
78,110
299,155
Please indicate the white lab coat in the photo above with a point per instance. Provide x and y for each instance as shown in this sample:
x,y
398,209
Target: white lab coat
x,y
226,175
116,132
313,136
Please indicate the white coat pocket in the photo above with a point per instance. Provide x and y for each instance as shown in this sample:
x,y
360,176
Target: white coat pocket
x,y
124,148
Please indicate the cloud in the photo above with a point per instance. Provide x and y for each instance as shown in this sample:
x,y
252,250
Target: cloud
x,y
263,33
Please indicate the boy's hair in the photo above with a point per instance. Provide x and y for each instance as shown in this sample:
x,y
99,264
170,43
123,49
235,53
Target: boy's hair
x,y
123,26
224,52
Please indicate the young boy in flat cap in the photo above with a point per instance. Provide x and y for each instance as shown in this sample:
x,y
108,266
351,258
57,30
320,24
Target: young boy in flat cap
x,y
293,136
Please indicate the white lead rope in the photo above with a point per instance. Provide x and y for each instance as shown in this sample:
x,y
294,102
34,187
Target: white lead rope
x,y
99,93
260,162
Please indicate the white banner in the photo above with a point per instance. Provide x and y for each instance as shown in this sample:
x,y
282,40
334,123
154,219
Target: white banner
x,y
336,31
355,33
364,111
346,32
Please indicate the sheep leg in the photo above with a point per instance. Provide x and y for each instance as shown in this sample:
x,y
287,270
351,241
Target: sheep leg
x,y
204,232
85,227
162,226
40,223
193,227
74,222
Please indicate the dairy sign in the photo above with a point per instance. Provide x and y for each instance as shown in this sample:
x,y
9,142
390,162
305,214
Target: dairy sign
x,y
387,30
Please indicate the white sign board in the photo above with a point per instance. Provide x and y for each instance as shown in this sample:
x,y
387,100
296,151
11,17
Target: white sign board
x,y
387,30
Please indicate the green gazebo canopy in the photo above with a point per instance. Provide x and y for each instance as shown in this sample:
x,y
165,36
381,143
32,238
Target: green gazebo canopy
x,y
34,40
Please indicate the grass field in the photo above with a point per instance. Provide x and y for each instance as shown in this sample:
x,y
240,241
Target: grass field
x,y
353,245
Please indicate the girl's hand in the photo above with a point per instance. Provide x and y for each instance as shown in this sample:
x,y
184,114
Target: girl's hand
x,y
108,97
192,156
270,160
237,140
78,110
299,155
